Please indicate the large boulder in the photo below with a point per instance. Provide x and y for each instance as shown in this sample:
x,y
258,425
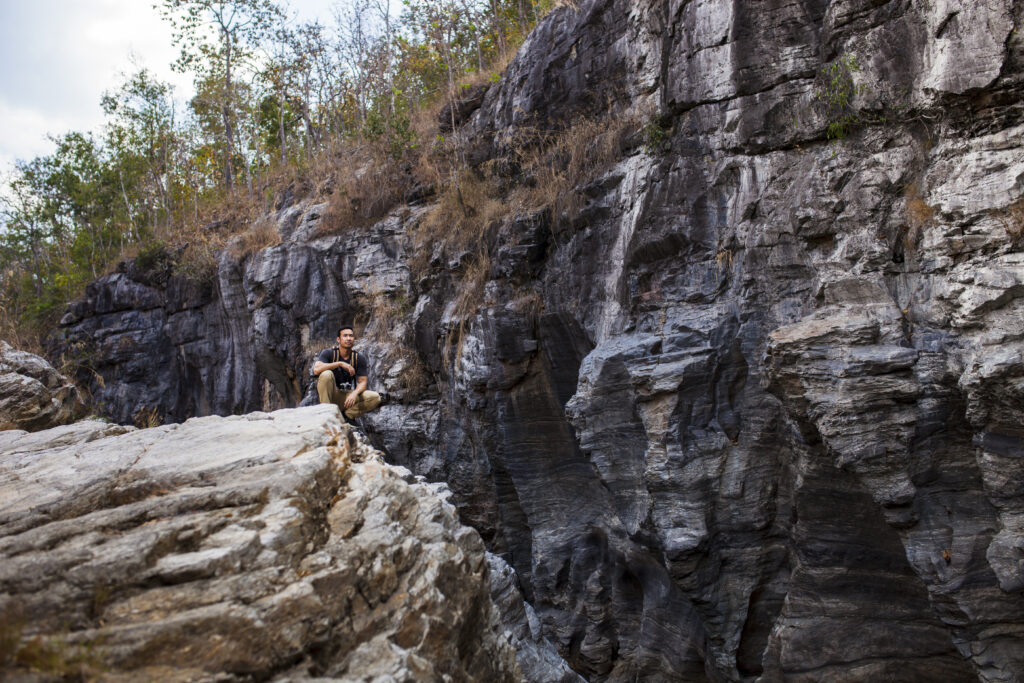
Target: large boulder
x,y
33,395
262,546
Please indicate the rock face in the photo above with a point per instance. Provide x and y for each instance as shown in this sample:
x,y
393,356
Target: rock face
x,y
537,658
265,546
752,411
33,395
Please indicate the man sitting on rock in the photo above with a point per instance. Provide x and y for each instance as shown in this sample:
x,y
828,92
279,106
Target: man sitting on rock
x,y
341,377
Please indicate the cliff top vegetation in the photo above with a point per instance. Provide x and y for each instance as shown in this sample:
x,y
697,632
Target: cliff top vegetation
x,y
279,108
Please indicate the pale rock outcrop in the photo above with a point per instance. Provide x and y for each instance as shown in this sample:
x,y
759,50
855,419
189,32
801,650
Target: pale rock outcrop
x,y
33,395
267,546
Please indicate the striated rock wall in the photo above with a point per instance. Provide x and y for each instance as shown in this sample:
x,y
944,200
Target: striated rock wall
x,y
236,343
752,412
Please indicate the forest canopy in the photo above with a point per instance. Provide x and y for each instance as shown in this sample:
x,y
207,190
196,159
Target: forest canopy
x,y
273,97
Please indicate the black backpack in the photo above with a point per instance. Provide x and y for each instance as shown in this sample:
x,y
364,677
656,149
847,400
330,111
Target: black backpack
x,y
312,396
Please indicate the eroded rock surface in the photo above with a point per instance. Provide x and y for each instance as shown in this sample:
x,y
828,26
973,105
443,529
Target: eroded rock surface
x,y
265,546
33,395
753,411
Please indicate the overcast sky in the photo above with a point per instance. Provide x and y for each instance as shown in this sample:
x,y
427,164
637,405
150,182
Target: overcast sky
x,y
59,56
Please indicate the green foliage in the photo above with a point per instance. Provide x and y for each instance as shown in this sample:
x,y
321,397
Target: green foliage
x,y
654,135
395,132
278,120
67,214
837,94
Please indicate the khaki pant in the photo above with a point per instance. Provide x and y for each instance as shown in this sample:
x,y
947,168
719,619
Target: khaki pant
x,y
330,393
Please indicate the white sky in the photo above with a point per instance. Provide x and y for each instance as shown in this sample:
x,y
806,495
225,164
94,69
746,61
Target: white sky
x,y
59,56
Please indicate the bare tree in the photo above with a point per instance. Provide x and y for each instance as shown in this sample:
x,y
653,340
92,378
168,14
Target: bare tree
x,y
239,27
354,48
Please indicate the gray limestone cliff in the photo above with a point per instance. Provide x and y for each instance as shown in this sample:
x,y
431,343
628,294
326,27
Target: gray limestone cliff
x,y
750,411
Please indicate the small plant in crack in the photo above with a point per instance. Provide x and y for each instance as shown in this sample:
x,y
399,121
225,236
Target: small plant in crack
x,y
654,134
836,95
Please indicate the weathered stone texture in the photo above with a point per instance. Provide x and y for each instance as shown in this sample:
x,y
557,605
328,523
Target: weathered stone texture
x,y
265,546
753,412
33,395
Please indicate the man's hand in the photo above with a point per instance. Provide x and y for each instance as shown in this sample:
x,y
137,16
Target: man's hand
x,y
350,400
348,368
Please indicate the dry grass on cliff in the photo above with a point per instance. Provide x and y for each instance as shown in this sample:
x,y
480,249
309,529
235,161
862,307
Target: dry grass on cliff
x,y
147,417
218,220
371,178
365,186
559,165
389,314
196,242
542,170
385,311
919,216
260,235
468,300
198,261
1012,220
456,229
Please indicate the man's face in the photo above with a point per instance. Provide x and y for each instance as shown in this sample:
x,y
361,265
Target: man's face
x,y
346,339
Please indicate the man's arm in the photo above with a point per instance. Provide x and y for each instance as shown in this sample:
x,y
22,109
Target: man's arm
x,y
350,400
319,366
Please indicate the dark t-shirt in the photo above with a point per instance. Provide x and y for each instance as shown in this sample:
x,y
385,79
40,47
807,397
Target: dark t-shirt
x,y
341,376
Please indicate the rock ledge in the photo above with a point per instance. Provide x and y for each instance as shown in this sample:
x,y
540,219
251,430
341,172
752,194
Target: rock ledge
x,y
260,546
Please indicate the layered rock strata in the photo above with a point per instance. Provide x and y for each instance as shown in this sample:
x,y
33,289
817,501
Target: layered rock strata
x,y
33,395
751,411
270,546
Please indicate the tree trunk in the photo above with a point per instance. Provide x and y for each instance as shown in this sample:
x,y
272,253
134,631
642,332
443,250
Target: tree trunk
x,y
37,281
280,130
476,35
226,112
502,47
127,204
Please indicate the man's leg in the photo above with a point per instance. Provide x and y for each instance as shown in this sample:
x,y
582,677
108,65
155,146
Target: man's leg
x,y
328,390
365,402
